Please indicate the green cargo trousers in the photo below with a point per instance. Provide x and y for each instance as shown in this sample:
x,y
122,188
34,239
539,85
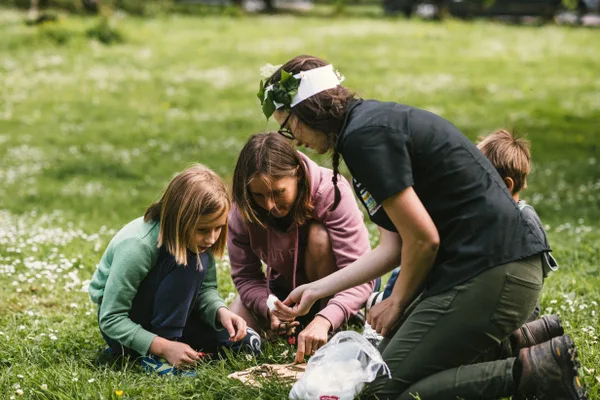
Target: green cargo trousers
x,y
434,352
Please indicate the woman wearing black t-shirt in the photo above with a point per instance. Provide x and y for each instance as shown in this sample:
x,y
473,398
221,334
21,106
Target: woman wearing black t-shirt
x,y
471,267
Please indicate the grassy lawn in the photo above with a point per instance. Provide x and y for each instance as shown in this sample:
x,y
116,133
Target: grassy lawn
x,y
89,134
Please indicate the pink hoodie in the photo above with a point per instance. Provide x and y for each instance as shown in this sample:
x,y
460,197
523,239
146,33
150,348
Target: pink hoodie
x,y
248,245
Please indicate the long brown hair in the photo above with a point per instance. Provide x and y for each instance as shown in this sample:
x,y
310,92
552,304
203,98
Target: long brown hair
x,y
271,155
324,112
190,196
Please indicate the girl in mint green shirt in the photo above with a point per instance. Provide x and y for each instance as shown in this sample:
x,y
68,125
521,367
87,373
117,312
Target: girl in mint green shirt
x,y
156,284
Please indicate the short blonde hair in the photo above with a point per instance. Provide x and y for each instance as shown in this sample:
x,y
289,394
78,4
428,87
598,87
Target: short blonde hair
x,y
509,154
191,195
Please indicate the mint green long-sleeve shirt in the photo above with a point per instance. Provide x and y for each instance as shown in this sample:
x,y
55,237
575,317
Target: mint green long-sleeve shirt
x,y
129,257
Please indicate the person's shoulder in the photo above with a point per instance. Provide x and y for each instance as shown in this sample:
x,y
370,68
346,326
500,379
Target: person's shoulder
x,y
235,221
138,232
374,114
528,211
531,216
324,196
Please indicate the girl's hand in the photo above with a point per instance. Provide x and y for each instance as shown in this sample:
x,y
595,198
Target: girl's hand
x,y
384,317
313,337
298,302
280,327
176,353
235,325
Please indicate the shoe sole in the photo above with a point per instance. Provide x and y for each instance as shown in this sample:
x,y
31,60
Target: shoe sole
x,y
571,380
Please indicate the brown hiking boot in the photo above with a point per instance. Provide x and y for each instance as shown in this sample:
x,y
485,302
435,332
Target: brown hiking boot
x,y
536,332
550,371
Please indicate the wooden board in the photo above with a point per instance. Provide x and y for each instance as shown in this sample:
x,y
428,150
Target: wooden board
x,y
284,372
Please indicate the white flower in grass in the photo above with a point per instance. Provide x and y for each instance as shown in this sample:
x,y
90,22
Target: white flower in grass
x,y
249,357
20,392
53,337
16,386
20,376
91,380
44,386
74,379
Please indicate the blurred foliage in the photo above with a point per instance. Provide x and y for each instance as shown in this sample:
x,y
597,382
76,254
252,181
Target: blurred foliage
x,y
157,7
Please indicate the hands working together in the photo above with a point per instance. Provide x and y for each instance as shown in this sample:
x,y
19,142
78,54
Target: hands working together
x,y
312,337
383,317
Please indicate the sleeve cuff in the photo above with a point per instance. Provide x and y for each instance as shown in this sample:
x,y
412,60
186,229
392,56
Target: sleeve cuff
x,y
334,314
211,314
262,309
142,339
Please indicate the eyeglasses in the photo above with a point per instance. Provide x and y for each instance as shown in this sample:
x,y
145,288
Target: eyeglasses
x,y
286,132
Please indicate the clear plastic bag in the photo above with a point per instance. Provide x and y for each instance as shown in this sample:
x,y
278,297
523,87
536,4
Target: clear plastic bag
x,y
340,369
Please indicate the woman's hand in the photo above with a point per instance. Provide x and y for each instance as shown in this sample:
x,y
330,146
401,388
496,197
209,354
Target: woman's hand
x,y
384,317
176,353
298,302
280,327
313,337
235,325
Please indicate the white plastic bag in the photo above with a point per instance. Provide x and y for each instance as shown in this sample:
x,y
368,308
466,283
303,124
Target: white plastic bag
x,y
340,369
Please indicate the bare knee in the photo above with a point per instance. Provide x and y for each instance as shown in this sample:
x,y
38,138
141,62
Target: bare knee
x,y
320,260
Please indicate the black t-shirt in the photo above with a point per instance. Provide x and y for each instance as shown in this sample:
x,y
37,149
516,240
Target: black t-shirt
x,y
389,147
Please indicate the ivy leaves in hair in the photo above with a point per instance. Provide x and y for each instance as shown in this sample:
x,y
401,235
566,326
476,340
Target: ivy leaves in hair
x,y
282,92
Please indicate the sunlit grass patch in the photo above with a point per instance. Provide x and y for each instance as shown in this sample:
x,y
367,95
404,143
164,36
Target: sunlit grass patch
x,y
90,134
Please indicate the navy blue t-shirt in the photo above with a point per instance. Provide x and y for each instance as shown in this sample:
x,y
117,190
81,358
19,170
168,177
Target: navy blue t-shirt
x,y
389,147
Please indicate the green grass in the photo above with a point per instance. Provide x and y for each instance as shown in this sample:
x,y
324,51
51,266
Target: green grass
x,y
89,134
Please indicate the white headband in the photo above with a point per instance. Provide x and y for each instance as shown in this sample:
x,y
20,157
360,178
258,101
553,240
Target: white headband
x,y
312,82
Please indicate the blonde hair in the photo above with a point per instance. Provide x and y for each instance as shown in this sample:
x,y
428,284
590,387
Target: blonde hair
x,y
509,154
191,195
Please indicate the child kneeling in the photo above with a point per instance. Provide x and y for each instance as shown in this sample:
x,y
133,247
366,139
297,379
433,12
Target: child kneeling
x,y
156,284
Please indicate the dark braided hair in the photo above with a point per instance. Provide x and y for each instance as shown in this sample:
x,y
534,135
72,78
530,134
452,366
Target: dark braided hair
x,y
324,112
337,197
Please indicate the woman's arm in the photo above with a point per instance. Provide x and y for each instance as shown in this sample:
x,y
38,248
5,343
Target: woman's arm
x,y
421,242
416,245
368,267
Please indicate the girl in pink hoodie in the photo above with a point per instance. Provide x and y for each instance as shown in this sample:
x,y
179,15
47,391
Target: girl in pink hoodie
x,y
281,218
